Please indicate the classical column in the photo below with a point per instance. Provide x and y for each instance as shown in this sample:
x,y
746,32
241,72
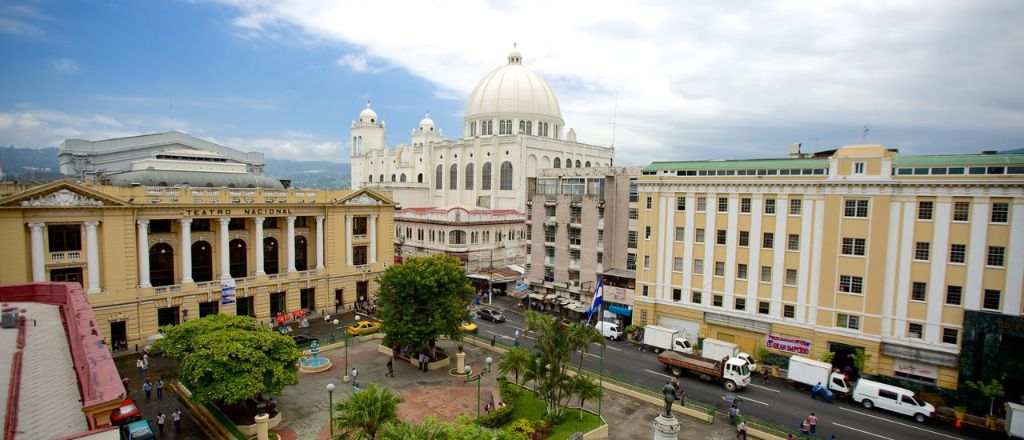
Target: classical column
x,y
143,237
225,250
319,242
186,250
291,242
38,256
373,238
92,256
348,240
258,244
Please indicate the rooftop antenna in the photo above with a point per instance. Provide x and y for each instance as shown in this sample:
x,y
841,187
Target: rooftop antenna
x,y
864,135
615,118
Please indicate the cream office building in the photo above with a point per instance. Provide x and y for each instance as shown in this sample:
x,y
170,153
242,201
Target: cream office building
x,y
905,257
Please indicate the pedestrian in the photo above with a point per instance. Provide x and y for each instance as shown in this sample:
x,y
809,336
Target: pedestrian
x,y
160,420
355,373
124,383
176,418
805,428
160,388
145,361
138,366
764,375
147,386
741,430
391,368
813,421
791,436
494,340
733,413
517,333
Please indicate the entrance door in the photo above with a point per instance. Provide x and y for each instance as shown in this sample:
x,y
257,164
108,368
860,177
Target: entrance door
x,y
209,308
167,316
844,358
307,299
245,307
277,304
119,335
338,302
362,289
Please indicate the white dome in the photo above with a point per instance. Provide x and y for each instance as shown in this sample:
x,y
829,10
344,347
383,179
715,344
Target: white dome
x,y
427,124
368,115
513,89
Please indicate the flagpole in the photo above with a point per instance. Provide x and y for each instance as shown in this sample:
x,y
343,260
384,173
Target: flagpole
x,y
601,377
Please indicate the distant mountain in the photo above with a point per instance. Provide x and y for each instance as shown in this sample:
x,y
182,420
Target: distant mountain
x,y
17,161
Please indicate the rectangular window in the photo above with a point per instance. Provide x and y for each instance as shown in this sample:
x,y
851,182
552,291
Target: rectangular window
x,y
791,277
702,204
600,257
698,235
991,300
794,242
954,295
922,251
796,206
680,234
1000,212
677,264
950,336
698,267
633,214
644,290
647,232
549,234
764,307
649,202
630,261
957,253
858,168
721,236
740,303
851,322
915,330
647,261
741,271
788,311
925,210
918,291
996,256
719,268
631,239
854,246
769,240
695,297
769,206
856,208
677,295
723,204
680,203
576,236
745,205
358,226
766,274
961,211
716,301
359,254
744,238
851,284
64,238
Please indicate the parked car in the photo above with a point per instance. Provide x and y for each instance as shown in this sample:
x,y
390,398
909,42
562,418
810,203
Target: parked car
x,y
363,328
898,400
469,327
493,315
126,413
138,430
609,330
302,339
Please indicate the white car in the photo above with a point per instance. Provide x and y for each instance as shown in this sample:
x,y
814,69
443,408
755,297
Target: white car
x,y
898,400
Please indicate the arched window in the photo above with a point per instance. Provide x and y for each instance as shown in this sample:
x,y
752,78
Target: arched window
x,y
419,178
354,150
469,176
588,164
381,177
506,175
359,143
371,178
202,261
457,237
568,163
577,164
485,176
237,257
271,256
401,178
529,127
393,177
301,259
558,162
161,265
453,177
438,177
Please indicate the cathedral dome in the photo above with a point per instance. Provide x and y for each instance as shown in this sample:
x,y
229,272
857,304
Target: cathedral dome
x,y
368,115
513,90
427,124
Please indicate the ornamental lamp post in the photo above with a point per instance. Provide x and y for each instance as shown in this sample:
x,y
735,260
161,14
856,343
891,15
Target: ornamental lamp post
x,y
330,405
477,379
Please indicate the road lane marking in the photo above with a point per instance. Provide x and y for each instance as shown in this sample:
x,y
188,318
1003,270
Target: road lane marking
x,y
747,399
608,347
901,423
659,374
765,388
499,334
862,431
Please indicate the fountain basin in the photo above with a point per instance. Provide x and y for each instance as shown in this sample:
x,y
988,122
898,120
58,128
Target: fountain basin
x,y
314,365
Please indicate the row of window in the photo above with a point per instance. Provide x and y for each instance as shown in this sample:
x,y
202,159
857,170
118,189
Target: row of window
x,y
458,236
505,127
749,172
504,178
996,256
962,211
943,171
769,206
721,236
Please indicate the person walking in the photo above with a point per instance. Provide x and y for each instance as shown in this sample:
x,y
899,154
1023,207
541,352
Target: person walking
x,y
805,428
741,430
145,361
391,368
176,418
138,366
160,420
355,373
147,386
160,389
734,412
124,383
813,421
764,375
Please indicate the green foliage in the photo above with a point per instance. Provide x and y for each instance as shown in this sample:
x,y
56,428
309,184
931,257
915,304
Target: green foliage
x,y
522,426
422,299
363,413
431,429
629,329
497,417
515,361
586,389
230,358
509,390
552,350
828,356
992,391
860,359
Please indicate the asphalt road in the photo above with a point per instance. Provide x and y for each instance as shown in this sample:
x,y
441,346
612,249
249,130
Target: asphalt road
x,y
775,402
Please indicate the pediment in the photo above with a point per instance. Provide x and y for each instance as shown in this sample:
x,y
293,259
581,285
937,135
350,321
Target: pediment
x,y
60,194
364,197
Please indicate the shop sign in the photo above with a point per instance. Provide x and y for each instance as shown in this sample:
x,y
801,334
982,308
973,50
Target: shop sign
x,y
915,368
787,344
220,212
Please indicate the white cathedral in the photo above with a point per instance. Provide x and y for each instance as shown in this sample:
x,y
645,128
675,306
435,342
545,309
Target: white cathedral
x,y
512,127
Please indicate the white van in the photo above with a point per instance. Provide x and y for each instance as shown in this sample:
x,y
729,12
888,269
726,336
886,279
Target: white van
x,y
898,400
609,330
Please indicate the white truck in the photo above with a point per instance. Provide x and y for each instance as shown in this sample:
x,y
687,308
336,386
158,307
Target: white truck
x,y
809,372
733,373
664,339
1014,420
717,350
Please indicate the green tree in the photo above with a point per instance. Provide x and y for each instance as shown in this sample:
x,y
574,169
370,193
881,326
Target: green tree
x,y
230,358
362,414
860,359
586,389
515,361
580,338
422,299
828,356
552,350
992,391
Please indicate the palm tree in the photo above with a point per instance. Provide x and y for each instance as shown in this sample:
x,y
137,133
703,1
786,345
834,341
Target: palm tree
x,y
363,413
429,429
580,339
586,389
516,360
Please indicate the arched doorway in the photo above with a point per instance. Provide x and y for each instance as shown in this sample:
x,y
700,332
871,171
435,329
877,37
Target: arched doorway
x,y
202,261
237,257
300,253
161,264
271,255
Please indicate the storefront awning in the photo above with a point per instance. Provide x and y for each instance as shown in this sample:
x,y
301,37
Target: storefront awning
x,y
619,310
550,296
519,294
562,300
521,287
582,308
536,296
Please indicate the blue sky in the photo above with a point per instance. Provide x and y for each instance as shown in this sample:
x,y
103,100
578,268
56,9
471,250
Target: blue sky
x,y
689,80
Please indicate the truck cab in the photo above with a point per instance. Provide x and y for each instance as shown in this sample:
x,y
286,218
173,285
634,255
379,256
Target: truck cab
x,y
738,371
750,360
682,345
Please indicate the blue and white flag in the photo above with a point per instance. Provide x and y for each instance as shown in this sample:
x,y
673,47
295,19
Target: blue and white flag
x,y
598,297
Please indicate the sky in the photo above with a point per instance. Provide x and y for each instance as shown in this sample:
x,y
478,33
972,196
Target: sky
x,y
673,80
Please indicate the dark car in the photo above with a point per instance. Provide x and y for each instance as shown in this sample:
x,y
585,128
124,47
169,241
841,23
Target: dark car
x,y
302,339
492,315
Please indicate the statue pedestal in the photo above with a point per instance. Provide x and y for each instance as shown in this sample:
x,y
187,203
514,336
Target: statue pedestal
x,y
262,433
666,428
460,362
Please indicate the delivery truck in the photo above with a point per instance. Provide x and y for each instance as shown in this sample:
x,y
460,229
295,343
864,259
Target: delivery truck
x,y
665,339
806,373
716,350
733,373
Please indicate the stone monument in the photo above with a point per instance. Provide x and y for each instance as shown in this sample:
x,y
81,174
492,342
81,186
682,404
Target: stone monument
x,y
666,427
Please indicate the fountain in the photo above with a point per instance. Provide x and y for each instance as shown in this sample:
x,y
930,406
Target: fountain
x,y
314,363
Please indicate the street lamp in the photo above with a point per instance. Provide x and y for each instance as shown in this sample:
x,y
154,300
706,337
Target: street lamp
x,y
330,404
346,346
477,379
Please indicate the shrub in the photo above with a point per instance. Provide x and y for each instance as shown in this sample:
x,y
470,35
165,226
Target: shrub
x,y
541,429
522,426
497,417
554,418
509,390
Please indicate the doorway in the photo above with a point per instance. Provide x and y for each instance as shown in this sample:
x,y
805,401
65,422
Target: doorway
x,y
119,335
202,262
300,254
362,289
338,303
277,304
307,299
843,359
167,316
209,308
245,307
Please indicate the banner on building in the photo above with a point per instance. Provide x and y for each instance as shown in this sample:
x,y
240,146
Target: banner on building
x,y
227,292
789,345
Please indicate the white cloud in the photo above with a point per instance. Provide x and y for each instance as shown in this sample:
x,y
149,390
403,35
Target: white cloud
x,y
64,65
17,19
697,79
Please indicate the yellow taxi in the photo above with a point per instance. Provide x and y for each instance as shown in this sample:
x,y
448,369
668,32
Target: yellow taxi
x,y
469,327
363,328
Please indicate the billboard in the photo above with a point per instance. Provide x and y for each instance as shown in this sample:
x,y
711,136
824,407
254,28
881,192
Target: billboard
x,y
787,344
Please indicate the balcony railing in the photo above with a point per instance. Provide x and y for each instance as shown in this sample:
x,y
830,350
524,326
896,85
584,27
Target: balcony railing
x,y
550,261
66,256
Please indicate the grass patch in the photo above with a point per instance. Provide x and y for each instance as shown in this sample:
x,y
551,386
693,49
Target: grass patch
x,y
527,406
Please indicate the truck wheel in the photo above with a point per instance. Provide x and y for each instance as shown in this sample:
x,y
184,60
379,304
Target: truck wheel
x,y
676,371
867,404
730,386
920,418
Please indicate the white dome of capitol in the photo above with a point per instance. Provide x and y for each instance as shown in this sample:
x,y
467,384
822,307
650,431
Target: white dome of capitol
x,y
513,89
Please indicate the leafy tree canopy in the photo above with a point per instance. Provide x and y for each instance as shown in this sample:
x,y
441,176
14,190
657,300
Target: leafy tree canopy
x,y
230,358
422,299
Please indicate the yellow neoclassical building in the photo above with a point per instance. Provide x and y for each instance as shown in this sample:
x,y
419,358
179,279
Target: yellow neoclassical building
x,y
906,257
149,255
